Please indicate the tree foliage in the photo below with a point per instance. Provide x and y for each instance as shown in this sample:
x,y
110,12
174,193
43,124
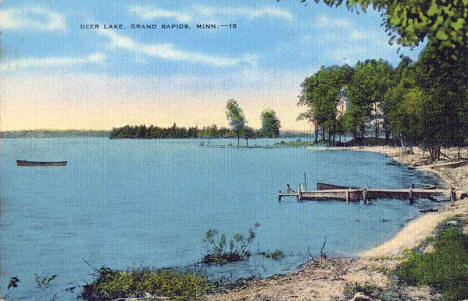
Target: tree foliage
x,y
445,90
366,91
409,22
236,117
320,93
270,123
422,103
154,132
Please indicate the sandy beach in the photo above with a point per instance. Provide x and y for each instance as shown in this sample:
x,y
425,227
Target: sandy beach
x,y
334,279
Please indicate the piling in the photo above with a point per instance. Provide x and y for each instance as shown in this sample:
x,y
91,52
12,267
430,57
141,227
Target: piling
x,y
453,196
299,193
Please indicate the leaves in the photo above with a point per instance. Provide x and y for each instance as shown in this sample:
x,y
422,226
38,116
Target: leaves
x,y
270,123
416,20
235,115
321,93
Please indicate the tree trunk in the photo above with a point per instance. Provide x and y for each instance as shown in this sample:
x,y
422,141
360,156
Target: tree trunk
x,y
316,135
387,132
402,144
376,130
435,153
238,139
323,133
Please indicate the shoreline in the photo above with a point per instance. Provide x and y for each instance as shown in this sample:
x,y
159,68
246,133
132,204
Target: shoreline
x,y
417,230
328,279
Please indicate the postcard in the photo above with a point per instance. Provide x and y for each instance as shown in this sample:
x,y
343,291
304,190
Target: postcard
x,y
233,150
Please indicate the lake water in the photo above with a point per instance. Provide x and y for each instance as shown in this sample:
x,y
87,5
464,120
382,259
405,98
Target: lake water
x,y
125,203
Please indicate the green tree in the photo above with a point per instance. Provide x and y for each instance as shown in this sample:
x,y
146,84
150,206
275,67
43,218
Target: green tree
x,y
445,108
320,95
236,118
366,91
403,105
409,22
270,123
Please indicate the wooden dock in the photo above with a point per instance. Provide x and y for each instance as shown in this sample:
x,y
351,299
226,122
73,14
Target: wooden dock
x,y
355,195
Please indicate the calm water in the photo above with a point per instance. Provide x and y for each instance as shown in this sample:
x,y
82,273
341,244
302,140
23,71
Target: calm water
x,y
123,203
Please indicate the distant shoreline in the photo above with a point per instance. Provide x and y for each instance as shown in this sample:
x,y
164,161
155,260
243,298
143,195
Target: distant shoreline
x,y
54,133
47,133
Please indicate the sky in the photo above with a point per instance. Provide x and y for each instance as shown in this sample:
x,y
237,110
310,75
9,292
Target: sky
x,y
55,74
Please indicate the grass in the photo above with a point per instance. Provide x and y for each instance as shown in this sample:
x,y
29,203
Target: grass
x,y
113,284
446,268
295,143
367,289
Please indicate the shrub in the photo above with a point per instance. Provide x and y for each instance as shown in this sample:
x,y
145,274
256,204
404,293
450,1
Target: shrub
x,y
446,268
367,289
220,251
112,284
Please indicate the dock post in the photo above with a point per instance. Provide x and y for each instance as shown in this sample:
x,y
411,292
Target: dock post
x,y
411,198
364,196
453,196
347,196
299,193
279,196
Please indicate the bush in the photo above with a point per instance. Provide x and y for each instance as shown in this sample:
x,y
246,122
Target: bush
x,y
367,289
219,251
112,284
446,268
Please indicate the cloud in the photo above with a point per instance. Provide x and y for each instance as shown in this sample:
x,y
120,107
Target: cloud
x,y
168,51
326,21
153,12
251,13
197,11
31,18
13,65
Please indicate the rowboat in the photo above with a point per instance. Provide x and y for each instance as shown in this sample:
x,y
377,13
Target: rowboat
x,y
40,163
325,186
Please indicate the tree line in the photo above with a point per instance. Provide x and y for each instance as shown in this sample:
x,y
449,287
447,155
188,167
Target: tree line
x,y
53,133
234,114
422,103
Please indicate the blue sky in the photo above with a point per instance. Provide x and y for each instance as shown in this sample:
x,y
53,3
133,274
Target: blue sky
x,y
165,75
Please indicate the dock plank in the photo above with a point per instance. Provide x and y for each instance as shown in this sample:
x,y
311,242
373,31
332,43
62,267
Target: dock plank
x,y
366,194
